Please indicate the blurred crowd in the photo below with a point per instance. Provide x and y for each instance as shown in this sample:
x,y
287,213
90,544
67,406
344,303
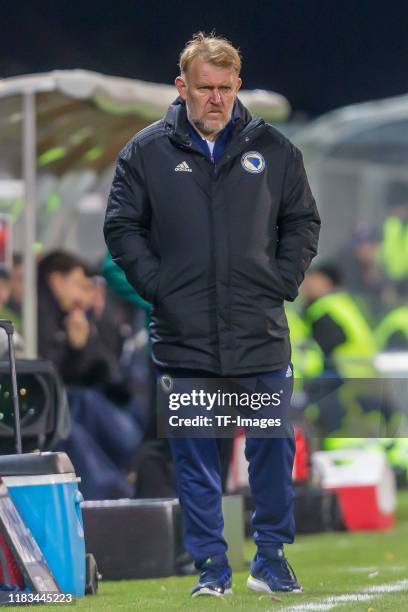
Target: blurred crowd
x,y
97,344
93,327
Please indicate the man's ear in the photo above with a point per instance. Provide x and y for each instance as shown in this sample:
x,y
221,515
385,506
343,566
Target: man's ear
x,y
239,83
181,86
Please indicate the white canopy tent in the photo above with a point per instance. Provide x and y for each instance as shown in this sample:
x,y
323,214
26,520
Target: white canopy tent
x,y
65,129
352,154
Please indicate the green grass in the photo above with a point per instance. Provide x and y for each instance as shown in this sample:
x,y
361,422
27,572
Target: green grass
x,y
326,565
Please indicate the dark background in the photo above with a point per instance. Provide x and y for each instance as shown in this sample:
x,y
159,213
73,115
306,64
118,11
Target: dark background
x,y
321,54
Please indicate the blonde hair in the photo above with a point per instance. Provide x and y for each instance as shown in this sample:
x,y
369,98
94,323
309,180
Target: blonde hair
x,y
214,49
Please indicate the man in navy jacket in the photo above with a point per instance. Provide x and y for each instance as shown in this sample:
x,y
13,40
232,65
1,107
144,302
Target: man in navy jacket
x,y
211,217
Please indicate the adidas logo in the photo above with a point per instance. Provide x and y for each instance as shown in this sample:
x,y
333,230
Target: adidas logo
x,y
183,167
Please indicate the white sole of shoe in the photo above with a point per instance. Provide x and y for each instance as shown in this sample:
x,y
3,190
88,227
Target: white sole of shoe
x,y
206,591
261,587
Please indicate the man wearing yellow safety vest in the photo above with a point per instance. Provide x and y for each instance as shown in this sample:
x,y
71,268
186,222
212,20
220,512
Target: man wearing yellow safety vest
x,y
339,328
394,250
337,324
392,335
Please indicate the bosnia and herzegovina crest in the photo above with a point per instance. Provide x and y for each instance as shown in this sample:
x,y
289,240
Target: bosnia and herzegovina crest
x,y
253,162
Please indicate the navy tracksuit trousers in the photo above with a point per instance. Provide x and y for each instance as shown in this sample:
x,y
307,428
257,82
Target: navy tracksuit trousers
x,y
199,488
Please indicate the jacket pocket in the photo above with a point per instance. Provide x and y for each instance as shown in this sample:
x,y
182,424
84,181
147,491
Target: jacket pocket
x,y
290,287
150,290
157,286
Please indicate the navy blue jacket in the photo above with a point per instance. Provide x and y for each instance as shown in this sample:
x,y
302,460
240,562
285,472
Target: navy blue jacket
x,y
216,247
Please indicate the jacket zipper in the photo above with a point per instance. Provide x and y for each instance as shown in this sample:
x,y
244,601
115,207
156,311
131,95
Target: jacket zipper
x,y
243,140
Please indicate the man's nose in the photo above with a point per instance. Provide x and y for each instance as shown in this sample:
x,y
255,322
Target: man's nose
x,y
215,97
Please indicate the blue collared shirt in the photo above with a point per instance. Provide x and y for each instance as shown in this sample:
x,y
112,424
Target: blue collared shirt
x,y
219,145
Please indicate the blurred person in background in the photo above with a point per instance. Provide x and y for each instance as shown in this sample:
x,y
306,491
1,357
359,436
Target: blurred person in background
x,y
114,328
101,319
66,334
392,335
350,345
337,323
355,411
392,330
105,434
394,248
363,275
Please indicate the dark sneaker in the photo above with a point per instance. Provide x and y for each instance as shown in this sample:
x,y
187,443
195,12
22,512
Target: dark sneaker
x,y
215,577
272,573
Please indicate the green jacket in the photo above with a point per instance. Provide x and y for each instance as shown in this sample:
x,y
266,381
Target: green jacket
x,y
116,279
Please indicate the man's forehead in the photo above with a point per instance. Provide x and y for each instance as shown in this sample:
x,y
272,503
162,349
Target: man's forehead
x,y
200,70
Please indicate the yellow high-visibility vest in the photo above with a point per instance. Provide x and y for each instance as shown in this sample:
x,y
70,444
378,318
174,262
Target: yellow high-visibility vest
x,y
394,249
354,357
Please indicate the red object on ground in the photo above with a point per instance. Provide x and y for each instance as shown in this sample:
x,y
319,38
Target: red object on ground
x,y
238,472
364,484
361,511
9,570
301,469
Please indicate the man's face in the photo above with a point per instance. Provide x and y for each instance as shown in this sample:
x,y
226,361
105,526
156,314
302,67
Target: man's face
x,y
314,286
71,290
367,252
209,93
